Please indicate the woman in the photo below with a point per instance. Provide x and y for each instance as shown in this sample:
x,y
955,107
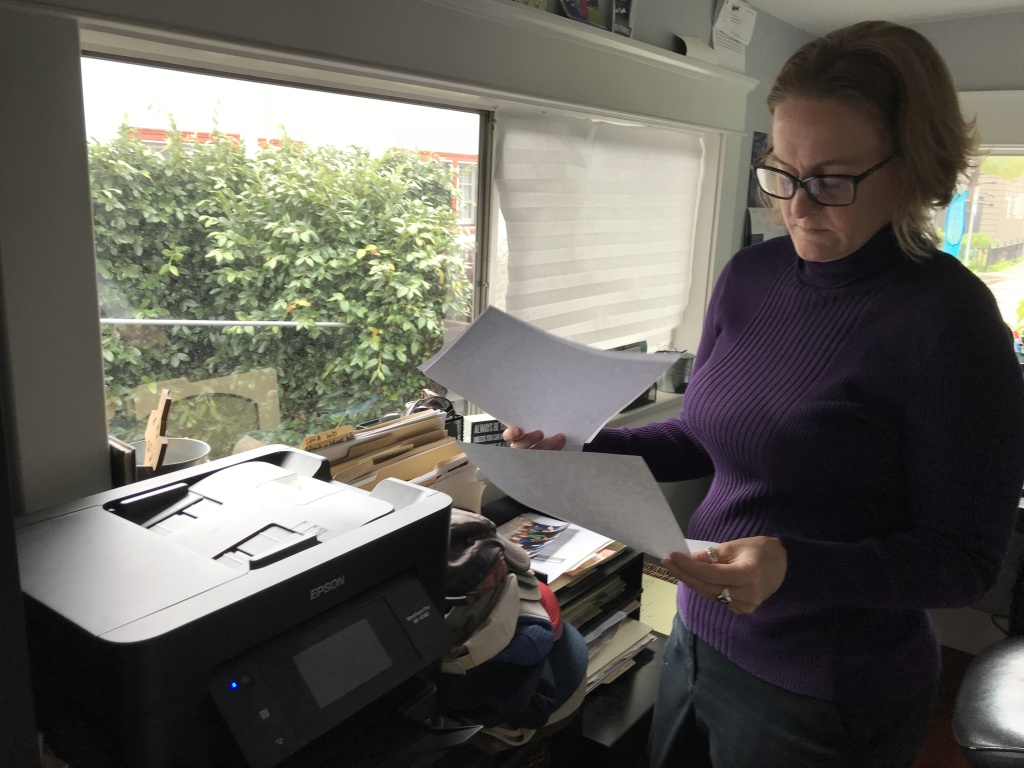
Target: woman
x,y
856,395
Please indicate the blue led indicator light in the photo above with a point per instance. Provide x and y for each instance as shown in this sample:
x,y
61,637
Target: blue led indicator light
x,y
233,684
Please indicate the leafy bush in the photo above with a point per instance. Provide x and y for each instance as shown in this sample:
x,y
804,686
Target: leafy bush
x,y
296,233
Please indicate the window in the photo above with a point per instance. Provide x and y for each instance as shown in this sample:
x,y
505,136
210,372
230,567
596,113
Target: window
x,y
1017,211
597,226
466,187
282,259
992,244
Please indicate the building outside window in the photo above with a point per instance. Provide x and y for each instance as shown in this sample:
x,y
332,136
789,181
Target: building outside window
x,y
466,189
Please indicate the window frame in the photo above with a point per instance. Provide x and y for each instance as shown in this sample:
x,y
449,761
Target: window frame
x,y
467,208
157,137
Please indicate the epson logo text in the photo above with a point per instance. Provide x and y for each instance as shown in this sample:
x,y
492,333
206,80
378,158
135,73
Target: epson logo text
x,y
315,592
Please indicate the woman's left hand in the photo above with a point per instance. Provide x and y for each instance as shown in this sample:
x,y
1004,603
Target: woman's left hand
x,y
751,569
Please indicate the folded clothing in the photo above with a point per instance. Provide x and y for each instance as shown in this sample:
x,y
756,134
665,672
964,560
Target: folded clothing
x,y
530,643
490,586
497,692
474,546
491,634
514,661
568,658
514,696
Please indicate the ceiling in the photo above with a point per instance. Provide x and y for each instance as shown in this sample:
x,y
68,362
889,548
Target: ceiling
x,y
819,16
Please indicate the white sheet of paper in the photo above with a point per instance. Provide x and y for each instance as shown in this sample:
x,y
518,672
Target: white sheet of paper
x,y
610,494
732,54
736,19
522,375
762,224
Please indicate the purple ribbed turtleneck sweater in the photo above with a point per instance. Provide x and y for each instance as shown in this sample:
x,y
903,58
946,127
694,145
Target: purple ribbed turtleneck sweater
x,y
869,412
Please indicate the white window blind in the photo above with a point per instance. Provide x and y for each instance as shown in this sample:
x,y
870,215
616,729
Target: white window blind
x,y
598,219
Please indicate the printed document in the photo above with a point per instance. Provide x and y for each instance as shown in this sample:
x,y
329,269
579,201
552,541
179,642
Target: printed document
x,y
736,19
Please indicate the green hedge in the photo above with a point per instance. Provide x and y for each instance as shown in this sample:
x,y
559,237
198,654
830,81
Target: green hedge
x,y
211,231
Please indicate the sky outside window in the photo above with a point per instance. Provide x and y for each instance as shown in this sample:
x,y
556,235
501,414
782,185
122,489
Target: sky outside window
x,y
149,97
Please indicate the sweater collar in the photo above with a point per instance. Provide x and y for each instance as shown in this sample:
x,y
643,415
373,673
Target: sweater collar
x,y
866,262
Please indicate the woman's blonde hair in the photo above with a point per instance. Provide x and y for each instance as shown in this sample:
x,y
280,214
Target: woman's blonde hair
x,y
897,75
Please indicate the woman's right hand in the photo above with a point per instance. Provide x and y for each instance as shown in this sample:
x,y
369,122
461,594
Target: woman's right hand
x,y
517,437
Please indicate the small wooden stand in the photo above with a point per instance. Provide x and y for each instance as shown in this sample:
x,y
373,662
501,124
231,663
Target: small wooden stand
x,y
156,431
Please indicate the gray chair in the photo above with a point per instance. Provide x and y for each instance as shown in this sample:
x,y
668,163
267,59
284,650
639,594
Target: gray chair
x,y
988,718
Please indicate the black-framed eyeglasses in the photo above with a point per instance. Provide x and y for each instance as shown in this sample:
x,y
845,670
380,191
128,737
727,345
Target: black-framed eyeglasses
x,y
834,189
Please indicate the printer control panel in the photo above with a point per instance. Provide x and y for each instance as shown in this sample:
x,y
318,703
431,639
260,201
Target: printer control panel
x,y
282,696
261,718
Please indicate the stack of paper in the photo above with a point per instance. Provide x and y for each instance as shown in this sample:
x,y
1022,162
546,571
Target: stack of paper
x,y
612,647
587,567
732,32
562,553
416,448
589,606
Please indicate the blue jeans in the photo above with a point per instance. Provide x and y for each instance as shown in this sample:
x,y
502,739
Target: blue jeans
x,y
709,712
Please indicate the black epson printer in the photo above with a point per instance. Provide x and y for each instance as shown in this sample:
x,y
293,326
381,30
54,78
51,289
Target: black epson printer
x,y
228,614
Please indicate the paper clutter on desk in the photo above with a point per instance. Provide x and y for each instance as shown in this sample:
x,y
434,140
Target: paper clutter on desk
x,y
416,448
613,647
555,547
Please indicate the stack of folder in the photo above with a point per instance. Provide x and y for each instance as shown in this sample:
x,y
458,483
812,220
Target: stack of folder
x,y
612,648
592,604
416,448
588,566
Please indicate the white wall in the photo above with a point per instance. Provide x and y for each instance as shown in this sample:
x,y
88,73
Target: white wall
x,y
986,58
773,43
658,21
984,53
49,273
